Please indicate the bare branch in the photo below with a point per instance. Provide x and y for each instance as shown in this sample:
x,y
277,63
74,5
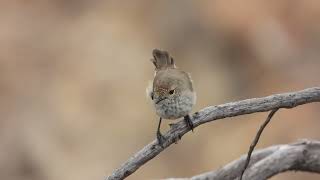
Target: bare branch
x,y
265,163
285,100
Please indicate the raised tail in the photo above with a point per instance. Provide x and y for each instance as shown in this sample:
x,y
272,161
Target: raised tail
x,y
162,60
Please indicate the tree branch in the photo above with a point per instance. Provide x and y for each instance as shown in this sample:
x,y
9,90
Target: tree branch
x,y
265,163
285,100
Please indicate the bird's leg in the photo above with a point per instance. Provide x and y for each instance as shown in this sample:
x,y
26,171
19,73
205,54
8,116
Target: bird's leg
x,y
160,137
189,122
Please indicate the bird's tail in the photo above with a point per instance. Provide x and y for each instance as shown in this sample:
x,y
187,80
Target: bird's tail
x,y
162,60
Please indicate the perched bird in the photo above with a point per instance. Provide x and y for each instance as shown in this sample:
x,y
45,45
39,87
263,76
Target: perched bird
x,y
171,91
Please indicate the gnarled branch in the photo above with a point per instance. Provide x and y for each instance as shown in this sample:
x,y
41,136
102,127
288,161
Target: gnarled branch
x,y
285,100
265,163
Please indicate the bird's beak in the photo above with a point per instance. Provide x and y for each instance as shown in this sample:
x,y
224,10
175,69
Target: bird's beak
x,y
158,101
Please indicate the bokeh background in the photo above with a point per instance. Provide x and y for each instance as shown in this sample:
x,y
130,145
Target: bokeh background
x,y
73,78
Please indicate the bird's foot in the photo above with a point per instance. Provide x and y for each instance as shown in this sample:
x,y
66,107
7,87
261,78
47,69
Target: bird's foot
x,y
189,122
161,139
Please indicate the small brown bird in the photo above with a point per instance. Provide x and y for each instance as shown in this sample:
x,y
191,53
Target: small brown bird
x,y
171,91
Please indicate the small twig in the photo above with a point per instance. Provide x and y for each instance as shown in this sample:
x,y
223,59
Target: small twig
x,y
256,140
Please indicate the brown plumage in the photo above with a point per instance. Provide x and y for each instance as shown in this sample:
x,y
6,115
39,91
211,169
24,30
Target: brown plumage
x,y
171,91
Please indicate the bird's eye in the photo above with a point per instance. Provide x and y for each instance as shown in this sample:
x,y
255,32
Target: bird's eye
x,y
171,91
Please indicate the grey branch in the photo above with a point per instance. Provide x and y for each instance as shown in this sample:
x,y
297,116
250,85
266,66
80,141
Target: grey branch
x,y
248,106
265,163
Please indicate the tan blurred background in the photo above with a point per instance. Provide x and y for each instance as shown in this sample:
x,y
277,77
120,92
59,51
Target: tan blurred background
x,y
73,77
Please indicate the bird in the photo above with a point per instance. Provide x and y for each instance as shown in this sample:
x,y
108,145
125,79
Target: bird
x,y
171,91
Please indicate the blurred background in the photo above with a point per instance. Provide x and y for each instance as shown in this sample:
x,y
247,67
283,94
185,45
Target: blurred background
x,y
73,78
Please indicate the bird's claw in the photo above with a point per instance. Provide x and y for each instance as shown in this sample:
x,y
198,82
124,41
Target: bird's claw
x,y
161,139
189,122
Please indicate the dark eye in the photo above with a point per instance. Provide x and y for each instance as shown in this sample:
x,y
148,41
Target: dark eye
x,y
171,91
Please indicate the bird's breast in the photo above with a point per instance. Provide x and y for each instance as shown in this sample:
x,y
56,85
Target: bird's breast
x,y
174,108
